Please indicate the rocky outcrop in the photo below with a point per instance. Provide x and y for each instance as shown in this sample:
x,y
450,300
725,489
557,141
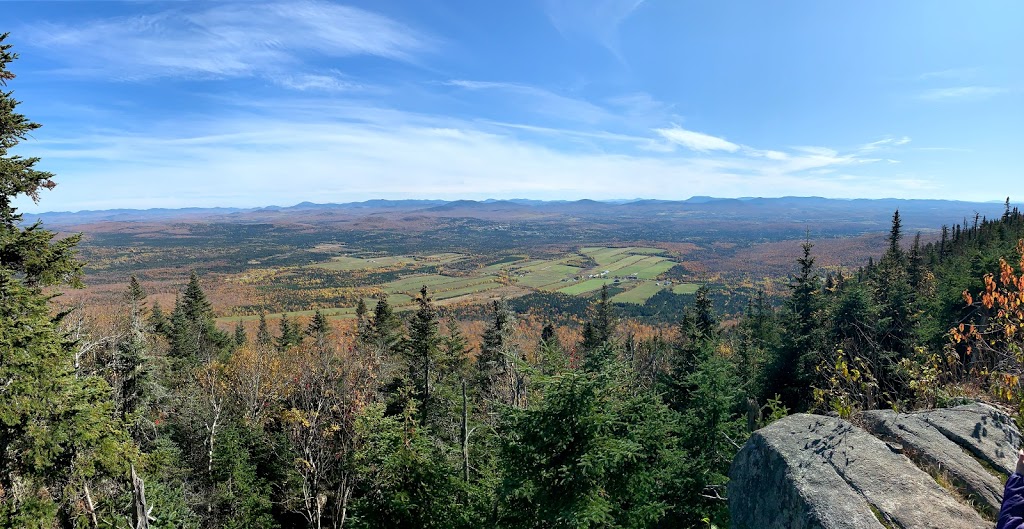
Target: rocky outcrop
x,y
940,468
973,447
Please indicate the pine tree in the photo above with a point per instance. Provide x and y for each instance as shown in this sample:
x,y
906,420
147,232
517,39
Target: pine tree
x,y
263,337
132,367
319,329
289,334
499,375
194,336
423,351
599,329
58,431
240,337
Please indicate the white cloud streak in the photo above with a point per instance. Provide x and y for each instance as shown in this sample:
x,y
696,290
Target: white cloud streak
x,y
697,141
226,40
960,93
596,20
539,100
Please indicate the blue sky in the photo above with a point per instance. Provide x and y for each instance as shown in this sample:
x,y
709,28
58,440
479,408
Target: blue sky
x,y
173,104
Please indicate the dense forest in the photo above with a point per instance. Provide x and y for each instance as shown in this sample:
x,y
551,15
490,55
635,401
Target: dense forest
x,y
173,422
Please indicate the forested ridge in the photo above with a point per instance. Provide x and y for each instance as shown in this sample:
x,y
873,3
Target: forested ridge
x,y
173,422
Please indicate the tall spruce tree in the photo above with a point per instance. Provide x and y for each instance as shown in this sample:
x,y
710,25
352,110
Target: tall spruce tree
x,y
599,329
132,369
58,431
499,373
424,340
240,337
263,337
194,336
791,370
289,333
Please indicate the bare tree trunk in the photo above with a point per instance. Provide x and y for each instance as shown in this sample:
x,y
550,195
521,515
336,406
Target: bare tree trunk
x,y
465,433
344,503
90,507
139,494
211,428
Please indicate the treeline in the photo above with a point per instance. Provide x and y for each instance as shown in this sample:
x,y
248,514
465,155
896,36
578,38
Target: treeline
x,y
396,425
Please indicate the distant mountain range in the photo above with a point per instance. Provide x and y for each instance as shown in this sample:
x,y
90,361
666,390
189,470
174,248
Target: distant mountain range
x,y
917,214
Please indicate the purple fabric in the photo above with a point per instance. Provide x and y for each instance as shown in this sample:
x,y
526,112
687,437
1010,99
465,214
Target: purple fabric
x,y
1011,516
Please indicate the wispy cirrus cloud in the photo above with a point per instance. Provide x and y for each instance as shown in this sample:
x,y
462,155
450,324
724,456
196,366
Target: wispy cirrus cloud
x,y
884,143
540,100
697,141
960,93
226,40
950,73
318,82
596,20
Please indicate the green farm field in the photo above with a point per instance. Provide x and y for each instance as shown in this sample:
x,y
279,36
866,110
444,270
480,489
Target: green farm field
x,y
398,277
640,293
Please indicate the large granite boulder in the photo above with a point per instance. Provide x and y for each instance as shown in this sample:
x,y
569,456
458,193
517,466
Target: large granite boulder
x,y
812,471
972,447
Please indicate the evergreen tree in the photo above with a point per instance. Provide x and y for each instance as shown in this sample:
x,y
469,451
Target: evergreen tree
x,y
424,341
132,369
319,328
361,313
551,357
58,432
454,361
499,374
894,296
698,340
263,337
240,337
591,453
599,330
384,333
792,368
758,337
289,333
194,336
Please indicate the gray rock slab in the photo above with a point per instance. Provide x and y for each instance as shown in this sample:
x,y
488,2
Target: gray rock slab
x,y
811,471
928,446
981,429
777,481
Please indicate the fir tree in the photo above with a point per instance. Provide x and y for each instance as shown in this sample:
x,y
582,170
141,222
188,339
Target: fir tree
x,y
194,336
289,333
132,366
58,434
499,375
263,337
791,370
551,357
319,329
384,332
599,329
423,351
454,352
240,336
158,320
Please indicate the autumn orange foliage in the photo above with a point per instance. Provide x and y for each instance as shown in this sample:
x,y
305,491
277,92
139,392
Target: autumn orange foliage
x,y
994,343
